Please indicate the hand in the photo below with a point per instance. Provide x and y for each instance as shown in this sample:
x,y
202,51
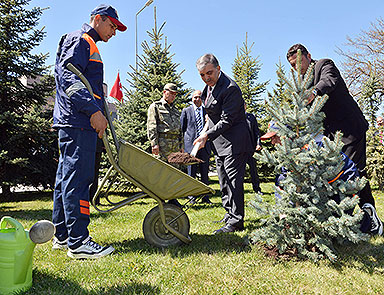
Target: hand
x,y
155,150
258,148
202,139
99,123
311,98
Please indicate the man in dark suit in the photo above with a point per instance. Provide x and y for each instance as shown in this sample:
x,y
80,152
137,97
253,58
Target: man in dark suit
x,y
192,121
229,135
254,133
341,113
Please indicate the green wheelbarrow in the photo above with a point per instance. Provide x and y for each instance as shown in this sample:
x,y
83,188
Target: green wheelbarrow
x,y
166,224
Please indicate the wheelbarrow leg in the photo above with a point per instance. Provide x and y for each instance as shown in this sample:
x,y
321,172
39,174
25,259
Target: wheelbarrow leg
x,y
177,234
98,192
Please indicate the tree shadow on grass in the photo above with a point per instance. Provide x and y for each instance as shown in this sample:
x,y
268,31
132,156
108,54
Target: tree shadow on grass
x,y
44,283
209,244
27,214
29,196
364,256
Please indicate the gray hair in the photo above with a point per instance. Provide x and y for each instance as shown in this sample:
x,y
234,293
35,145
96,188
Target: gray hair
x,y
206,59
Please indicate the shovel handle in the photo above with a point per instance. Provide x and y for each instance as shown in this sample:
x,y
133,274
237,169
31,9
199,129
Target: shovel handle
x,y
196,147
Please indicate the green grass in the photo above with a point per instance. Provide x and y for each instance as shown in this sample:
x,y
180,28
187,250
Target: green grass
x,y
211,264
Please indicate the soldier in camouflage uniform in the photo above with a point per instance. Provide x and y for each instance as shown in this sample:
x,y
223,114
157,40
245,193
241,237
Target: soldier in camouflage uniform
x,y
163,124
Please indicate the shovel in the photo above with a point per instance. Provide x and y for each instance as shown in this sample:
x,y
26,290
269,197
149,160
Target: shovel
x,y
185,158
197,145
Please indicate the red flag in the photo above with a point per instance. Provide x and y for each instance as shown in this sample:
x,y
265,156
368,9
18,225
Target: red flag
x,y
116,91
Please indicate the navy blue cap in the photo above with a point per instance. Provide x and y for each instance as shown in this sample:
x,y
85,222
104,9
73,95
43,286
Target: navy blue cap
x,y
111,12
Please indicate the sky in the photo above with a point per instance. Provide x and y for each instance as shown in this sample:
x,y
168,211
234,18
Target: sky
x,y
215,26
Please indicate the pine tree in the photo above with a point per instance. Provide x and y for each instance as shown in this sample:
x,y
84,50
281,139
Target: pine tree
x,y
375,159
245,71
280,91
20,143
371,97
155,69
306,220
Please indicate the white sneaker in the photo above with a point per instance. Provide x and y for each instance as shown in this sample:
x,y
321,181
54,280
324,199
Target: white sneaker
x,y
376,224
90,249
59,245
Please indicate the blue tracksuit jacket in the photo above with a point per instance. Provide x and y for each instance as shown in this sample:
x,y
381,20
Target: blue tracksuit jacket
x,y
74,104
348,172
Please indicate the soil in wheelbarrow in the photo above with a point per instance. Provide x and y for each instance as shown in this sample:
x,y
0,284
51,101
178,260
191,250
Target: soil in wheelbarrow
x,y
183,158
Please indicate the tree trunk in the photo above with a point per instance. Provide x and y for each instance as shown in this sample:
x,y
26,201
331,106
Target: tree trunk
x,y
6,193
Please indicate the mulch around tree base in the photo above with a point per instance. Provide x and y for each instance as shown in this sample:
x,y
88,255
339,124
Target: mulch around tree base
x,y
183,158
273,252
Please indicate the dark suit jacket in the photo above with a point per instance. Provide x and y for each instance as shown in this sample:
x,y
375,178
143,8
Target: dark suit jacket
x,y
228,129
188,127
253,128
341,110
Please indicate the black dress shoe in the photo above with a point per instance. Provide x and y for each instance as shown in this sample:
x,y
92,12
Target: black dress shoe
x,y
228,229
206,200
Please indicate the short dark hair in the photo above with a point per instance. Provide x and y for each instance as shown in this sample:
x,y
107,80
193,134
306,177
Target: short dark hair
x,y
103,17
293,50
206,59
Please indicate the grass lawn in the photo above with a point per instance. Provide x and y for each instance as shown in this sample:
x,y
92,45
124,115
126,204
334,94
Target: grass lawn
x,y
211,264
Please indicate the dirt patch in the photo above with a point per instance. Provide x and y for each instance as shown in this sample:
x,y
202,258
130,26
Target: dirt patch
x,y
183,158
273,252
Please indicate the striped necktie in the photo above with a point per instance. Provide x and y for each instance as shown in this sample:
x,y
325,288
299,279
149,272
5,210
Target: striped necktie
x,y
199,122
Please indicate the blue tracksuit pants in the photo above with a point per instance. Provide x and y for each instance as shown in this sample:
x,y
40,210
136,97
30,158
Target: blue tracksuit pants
x,y
74,175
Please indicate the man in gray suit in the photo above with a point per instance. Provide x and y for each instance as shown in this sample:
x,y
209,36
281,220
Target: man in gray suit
x,y
229,135
192,121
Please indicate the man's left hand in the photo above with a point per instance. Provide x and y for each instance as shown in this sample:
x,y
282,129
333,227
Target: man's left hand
x,y
202,139
311,98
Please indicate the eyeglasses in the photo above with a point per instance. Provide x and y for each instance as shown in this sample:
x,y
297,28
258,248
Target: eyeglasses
x,y
197,96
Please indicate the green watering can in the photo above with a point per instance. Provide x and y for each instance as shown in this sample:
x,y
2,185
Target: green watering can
x,y
16,249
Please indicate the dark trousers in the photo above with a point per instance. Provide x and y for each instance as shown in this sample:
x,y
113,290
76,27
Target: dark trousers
x,y
251,161
356,151
231,170
74,175
203,167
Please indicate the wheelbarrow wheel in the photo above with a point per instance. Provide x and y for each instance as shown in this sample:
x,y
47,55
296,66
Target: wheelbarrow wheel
x,y
156,234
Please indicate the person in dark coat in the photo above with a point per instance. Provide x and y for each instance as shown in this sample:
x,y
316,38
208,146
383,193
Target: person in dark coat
x,y
192,122
342,113
229,135
254,132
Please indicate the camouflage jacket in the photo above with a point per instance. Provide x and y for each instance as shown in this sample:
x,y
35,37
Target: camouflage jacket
x,y
163,122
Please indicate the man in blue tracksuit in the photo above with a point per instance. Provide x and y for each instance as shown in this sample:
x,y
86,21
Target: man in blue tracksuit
x,y
78,117
348,172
